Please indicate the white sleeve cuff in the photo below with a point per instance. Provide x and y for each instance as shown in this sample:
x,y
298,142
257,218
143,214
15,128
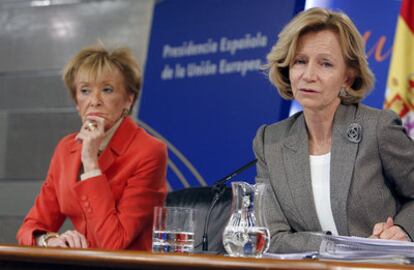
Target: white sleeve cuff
x,y
90,174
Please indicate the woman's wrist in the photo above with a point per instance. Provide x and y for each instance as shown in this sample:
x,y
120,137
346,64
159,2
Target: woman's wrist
x,y
90,174
90,166
43,239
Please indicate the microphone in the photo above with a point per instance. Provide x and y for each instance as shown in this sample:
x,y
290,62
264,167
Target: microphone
x,y
218,188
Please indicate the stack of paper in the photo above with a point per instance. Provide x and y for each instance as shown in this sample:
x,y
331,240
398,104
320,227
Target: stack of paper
x,y
365,249
292,256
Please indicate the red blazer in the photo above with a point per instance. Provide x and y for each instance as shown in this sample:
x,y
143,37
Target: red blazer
x,y
113,210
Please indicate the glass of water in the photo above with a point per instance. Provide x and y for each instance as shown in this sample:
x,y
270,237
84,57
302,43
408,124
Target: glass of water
x,y
173,230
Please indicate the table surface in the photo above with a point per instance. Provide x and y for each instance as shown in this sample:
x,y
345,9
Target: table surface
x,y
22,257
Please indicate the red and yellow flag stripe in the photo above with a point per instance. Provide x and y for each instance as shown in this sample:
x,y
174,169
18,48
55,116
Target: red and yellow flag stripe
x,y
400,85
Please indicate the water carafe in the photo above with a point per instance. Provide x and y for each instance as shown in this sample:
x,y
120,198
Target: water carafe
x,y
246,233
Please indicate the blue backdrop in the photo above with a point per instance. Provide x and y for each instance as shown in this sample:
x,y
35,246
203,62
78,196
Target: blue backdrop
x,y
204,92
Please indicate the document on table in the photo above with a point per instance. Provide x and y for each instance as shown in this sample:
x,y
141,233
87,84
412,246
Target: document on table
x,y
292,256
366,249
352,248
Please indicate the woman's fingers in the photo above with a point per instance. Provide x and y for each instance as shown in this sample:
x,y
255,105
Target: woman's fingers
x,y
92,127
74,239
56,242
84,242
91,135
94,123
389,223
70,239
394,233
378,228
388,233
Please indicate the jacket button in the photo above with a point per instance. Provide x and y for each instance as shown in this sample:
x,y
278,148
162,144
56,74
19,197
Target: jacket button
x,y
86,204
84,198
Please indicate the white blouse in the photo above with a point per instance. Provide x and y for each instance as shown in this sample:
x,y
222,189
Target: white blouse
x,y
320,176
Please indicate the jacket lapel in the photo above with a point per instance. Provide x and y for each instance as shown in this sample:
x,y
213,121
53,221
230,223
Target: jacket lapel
x,y
119,143
343,154
73,166
296,162
106,159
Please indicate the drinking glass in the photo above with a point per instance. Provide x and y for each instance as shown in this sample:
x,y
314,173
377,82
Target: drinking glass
x,y
173,230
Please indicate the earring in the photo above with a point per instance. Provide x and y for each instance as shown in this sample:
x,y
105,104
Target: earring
x,y
125,112
343,92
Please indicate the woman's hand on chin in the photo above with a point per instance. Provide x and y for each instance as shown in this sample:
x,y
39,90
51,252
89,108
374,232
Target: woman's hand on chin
x,y
91,134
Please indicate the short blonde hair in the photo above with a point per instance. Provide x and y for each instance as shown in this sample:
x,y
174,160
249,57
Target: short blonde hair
x,y
283,52
97,60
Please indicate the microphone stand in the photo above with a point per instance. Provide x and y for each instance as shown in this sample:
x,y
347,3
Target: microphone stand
x,y
218,188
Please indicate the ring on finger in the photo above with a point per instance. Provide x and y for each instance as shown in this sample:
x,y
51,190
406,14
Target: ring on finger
x,y
91,126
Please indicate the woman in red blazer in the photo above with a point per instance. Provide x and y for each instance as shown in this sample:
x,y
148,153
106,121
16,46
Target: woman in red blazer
x,y
107,177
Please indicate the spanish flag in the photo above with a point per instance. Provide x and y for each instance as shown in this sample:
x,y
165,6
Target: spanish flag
x,y
400,85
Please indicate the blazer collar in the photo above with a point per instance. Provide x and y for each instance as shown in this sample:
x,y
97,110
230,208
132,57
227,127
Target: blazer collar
x,y
123,136
296,162
343,157
344,116
297,134
117,146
